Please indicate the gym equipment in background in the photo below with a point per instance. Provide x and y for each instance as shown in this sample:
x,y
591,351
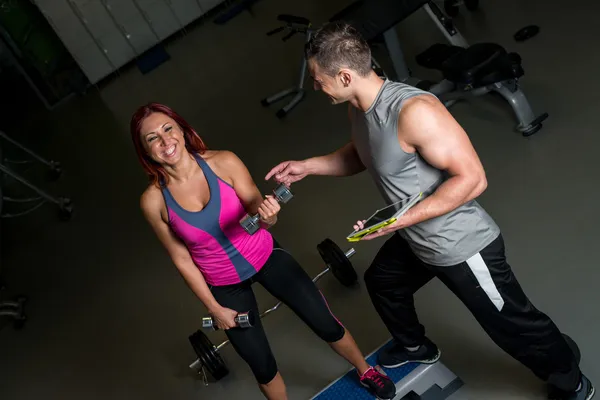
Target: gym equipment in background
x,y
14,309
338,261
64,204
233,10
452,6
251,223
467,71
526,33
209,358
293,25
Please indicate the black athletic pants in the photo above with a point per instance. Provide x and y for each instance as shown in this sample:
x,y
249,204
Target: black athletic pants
x,y
487,286
285,279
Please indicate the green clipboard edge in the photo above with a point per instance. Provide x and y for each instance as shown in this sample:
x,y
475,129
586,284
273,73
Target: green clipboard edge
x,y
380,225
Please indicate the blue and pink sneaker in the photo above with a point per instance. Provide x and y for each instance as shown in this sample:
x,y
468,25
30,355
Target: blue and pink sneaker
x,y
378,383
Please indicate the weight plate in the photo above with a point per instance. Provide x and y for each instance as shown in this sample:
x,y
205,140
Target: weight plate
x,y
337,261
251,319
208,355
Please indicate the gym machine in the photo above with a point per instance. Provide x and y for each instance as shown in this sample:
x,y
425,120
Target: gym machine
x,y
451,7
65,207
14,309
292,26
209,359
468,71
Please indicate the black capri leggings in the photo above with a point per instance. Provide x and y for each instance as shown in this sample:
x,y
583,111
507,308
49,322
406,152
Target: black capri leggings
x,y
285,279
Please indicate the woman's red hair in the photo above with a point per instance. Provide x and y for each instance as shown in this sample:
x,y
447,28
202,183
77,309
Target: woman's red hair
x,y
193,142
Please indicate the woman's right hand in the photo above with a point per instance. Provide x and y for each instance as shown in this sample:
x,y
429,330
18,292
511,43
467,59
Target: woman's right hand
x,y
223,318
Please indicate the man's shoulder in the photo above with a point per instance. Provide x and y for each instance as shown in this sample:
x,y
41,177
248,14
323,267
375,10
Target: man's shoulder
x,y
419,106
403,99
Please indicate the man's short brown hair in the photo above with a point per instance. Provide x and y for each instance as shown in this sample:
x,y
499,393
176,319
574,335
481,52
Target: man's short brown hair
x,y
339,45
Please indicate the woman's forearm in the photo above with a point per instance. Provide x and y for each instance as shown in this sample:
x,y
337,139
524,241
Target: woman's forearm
x,y
342,162
196,282
450,195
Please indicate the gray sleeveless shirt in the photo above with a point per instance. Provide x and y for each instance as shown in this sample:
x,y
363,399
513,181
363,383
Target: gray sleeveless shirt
x,y
442,241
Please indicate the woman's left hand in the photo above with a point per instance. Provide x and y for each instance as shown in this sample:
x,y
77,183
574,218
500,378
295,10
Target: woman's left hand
x,y
268,210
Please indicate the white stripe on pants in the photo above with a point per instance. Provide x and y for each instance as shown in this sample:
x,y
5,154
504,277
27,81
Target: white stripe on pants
x,y
483,276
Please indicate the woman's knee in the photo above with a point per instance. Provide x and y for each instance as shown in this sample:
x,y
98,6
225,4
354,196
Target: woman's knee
x,y
332,334
265,369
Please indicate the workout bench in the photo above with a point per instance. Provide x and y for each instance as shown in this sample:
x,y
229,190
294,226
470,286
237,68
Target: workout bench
x,y
468,71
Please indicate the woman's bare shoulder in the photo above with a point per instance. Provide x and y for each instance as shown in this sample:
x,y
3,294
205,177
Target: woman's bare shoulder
x,y
225,163
151,200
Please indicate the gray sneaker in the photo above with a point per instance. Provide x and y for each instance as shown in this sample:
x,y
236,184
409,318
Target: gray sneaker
x,y
397,355
585,392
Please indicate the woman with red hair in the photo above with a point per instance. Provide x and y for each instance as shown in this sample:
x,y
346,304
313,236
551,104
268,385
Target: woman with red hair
x,y
194,204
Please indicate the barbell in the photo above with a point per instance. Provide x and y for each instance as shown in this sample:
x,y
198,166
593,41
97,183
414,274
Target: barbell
x,y
338,263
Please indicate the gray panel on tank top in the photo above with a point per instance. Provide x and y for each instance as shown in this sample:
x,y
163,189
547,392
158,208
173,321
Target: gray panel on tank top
x,y
446,240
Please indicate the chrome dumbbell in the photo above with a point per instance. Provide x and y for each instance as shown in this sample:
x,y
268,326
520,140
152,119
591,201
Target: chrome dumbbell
x,y
242,320
251,223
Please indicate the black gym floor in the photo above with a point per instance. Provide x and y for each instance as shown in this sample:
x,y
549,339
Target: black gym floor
x,y
109,316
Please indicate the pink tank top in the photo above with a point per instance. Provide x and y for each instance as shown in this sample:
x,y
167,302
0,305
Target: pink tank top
x,y
221,249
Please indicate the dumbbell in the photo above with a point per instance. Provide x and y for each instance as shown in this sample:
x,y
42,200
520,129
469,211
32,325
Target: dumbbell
x,y
251,223
242,320
209,356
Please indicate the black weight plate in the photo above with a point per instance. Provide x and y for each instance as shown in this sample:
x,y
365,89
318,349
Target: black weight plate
x,y
251,318
337,261
208,355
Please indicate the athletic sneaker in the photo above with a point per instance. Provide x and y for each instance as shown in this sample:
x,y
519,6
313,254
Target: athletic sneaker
x,y
397,355
586,392
378,383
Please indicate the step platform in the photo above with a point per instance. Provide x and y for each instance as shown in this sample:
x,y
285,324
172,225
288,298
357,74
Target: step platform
x,y
413,381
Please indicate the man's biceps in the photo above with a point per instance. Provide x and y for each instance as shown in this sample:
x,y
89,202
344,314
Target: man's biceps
x,y
439,156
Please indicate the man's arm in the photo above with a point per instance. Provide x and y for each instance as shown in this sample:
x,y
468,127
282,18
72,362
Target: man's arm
x,y
426,126
342,162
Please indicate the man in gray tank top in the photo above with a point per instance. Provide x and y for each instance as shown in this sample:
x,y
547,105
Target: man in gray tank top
x,y
409,143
